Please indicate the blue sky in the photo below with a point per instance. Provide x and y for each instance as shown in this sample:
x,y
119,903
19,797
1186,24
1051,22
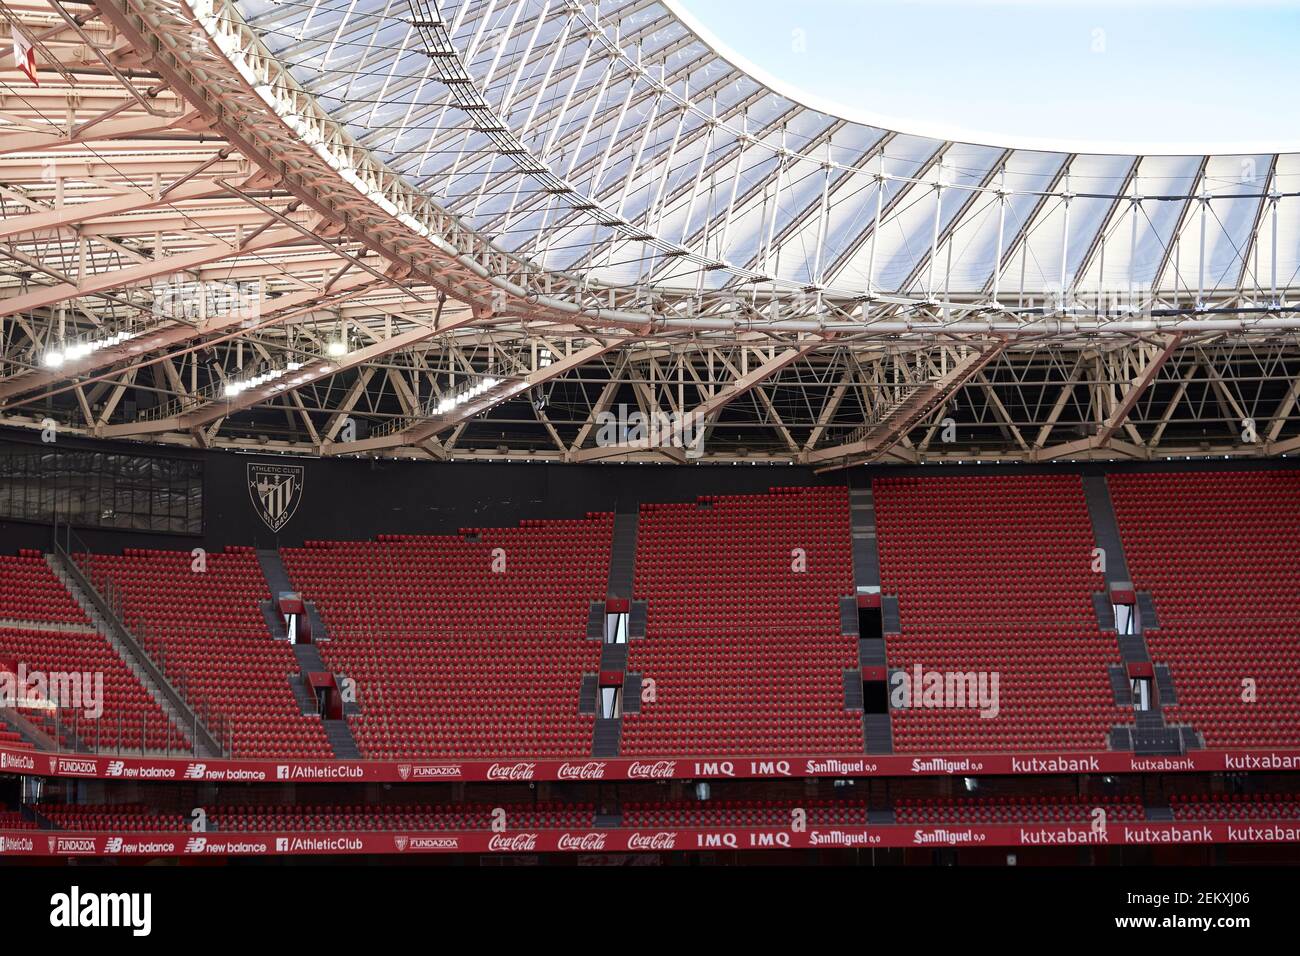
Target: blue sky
x,y
1203,71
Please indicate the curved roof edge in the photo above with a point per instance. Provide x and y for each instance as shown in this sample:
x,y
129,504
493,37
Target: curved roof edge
x,y
939,131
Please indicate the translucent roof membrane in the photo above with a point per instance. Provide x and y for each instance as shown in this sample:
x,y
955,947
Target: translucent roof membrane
x,y
682,169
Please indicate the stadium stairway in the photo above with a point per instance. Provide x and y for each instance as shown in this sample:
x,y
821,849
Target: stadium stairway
x,y
300,693
277,582
337,732
341,740
1106,530
1149,733
277,578
622,556
318,630
877,728
608,731
146,672
309,659
605,738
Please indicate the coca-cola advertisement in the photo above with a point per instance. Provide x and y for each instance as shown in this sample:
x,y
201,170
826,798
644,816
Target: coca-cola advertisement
x,y
839,766
625,840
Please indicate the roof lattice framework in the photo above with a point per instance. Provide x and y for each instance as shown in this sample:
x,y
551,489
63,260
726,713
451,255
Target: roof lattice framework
x,y
479,229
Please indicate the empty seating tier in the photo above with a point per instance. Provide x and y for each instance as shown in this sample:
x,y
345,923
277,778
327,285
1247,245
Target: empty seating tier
x,y
817,812
13,820
1220,554
325,817
129,718
1017,809
474,645
12,738
30,592
744,813
206,630
470,645
125,817
743,635
994,576
1237,806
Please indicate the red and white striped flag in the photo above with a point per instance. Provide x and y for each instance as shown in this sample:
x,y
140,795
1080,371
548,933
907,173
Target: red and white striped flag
x,y
25,55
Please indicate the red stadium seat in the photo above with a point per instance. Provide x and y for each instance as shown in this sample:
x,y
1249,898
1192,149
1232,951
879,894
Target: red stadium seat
x,y
745,651
1220,554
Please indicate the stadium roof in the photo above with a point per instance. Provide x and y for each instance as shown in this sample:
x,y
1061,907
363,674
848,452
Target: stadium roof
x,y
475,229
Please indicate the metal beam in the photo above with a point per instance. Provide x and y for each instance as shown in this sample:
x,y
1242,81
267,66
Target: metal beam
x,y
310,373
416,431
877,440
1137,388
703,412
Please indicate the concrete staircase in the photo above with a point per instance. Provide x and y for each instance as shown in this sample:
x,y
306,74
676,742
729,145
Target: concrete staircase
x,y
309,659
877,729
1105,529
133,655
605,739
622,554
596,621
608,731
277,582
341,739
866,551
277,578
306,702
878,734
318,630
853,690
308,656
587,690
274,622
338,731
613,657
1149,733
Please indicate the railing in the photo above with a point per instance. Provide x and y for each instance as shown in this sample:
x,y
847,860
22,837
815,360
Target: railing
x,y
207,726
216,389
73,732
879,415
176,406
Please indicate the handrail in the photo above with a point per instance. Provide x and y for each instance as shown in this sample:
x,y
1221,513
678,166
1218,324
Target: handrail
x,y
199,731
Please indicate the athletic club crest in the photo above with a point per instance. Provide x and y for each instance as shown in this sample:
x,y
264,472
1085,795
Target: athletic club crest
x,y
276,491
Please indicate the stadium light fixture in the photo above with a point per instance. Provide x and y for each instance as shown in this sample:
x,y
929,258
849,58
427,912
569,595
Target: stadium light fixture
x,y
449,402
84,347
